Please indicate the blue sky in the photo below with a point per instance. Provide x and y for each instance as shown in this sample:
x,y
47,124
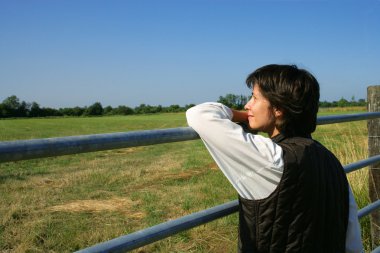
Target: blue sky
x,y
64,53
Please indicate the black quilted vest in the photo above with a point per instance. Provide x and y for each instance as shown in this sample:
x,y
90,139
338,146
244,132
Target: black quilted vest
x,y
308,211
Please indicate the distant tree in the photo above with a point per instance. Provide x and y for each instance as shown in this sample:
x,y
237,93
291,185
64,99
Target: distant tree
x,y
12,102
189,106
228,100
95,109
47,111
2,111
107,110
343,102
78,111
324,104
122,110
35,110
67,111
159,108
23,109
143,108
174,108
234,101
10,106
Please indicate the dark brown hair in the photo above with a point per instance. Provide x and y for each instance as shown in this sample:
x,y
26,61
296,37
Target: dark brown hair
x,y
294,91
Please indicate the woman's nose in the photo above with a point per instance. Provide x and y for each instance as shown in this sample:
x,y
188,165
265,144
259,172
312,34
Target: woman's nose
x,y
246,107
248,104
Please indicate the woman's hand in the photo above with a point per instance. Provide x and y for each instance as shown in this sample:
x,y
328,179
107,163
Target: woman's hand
x,y
241,117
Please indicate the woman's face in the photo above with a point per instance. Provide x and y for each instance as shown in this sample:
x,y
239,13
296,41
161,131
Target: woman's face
x,y
261,114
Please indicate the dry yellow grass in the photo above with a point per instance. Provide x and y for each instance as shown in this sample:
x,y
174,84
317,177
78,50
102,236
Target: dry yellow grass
x,y
115,204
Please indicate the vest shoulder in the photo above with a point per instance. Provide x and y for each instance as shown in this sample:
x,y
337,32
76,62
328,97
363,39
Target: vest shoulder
x,y
300,142
297,148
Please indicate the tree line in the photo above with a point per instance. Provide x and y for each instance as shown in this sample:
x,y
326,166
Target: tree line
x,y
12,107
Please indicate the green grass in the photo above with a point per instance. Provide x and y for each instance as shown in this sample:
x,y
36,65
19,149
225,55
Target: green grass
x,y
66,203
33,128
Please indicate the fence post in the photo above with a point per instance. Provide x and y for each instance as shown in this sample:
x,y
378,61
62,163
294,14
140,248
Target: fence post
x,y
373,98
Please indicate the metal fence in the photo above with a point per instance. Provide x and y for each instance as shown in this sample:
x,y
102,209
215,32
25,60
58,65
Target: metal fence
x,y
30,149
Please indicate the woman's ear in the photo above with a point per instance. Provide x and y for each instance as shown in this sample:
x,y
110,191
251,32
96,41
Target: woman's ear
x,y
277,112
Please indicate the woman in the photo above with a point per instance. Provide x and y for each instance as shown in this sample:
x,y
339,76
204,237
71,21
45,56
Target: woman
x,y
293,192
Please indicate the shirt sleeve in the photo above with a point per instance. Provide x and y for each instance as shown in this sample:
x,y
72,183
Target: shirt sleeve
x,y
252,163
353,238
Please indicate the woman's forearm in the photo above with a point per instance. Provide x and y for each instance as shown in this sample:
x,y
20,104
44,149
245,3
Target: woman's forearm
x,y
239,116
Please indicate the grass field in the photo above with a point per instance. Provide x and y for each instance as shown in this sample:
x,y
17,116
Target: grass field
x,y
63,204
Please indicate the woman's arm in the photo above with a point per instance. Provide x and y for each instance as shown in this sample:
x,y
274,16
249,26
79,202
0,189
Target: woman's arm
x,y
239,116
252,163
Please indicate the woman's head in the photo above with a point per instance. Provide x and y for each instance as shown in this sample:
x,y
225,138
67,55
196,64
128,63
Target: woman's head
x,y
294,92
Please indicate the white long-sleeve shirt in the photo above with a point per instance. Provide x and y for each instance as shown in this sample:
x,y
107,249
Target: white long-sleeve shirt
x,y
252,163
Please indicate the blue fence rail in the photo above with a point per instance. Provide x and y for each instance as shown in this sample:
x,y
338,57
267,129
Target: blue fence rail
x,y
30,149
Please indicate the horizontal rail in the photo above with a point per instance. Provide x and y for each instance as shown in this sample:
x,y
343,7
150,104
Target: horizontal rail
x,y
368,209
361,164
163,230
166,229
323,120
39,148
